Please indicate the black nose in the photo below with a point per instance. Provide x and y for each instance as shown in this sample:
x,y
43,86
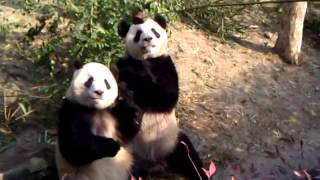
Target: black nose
x,y
98,92
148,39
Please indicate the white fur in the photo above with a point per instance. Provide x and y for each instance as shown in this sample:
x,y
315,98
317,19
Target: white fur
x,y
142,50
106,126
79,93
157,137
108,168
116,168
159,131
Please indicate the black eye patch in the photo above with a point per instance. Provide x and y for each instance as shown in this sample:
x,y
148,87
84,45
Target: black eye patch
x,y
89,82
137,37
155,33
107,84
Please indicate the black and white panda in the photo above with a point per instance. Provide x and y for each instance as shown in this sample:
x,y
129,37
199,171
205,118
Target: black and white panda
x,y
150,73
94,126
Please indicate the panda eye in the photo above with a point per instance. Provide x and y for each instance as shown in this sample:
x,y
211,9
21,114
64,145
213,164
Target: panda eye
x,y
88,82
137,37
107,84
155,33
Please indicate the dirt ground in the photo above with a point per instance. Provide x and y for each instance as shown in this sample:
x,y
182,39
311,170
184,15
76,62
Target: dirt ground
x,y
253,115
240,101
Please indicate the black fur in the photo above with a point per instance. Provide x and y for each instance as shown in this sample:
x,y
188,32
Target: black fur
x,y
76,142
154,82
123,28
78,145
155,33
129,119
179,160
161,20
77,64
137,36
89,82
155,87
107,84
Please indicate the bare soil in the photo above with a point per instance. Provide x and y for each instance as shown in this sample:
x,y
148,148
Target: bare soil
x,y
244,109
242,104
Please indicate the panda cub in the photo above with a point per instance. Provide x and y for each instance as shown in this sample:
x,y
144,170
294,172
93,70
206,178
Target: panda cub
x,y
93,123
150,73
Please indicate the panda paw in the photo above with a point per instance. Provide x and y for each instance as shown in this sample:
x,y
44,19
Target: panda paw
x,y
129,118
134,115
124,92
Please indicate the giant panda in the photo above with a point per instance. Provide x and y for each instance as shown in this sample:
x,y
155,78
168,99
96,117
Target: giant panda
x,y
94,126
149,71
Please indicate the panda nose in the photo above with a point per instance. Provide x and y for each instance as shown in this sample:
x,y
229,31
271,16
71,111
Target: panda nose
x,y
98,92
148,39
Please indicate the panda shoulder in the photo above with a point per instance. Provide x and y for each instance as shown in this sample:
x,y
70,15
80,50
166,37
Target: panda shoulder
x,y
164,61
128,62
161,59
69,106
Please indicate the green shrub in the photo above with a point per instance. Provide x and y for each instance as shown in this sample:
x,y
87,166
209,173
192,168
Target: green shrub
x,y
91,30
224,21
4,29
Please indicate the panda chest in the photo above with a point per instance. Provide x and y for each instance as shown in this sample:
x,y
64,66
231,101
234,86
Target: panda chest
x,y
157,126
157,136
104,125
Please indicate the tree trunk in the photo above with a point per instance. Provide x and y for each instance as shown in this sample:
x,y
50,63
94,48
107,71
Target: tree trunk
x,y
290,34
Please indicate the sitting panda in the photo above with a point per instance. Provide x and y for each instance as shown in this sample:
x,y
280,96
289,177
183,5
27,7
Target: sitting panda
x,y
150,73
93,123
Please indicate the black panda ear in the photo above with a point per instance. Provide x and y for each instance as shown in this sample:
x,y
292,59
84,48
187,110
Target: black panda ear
x,y
161,20
140,17
77,64
123,28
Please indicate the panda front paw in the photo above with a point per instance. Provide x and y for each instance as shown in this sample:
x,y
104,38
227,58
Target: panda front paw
x,y
138,118
125,94
129,118
133,116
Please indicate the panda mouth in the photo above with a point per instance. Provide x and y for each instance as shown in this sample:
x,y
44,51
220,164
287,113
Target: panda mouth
x,y
145,48
96,98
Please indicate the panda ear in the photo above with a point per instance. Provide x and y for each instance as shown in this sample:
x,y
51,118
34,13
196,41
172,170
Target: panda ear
x,y
78,64
161,20
123,28
140,17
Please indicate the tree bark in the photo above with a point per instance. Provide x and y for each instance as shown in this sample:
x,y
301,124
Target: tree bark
x,y
289,41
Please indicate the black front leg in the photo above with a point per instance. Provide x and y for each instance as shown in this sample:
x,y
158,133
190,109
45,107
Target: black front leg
x,y
185,161
154,83
129,118
77,143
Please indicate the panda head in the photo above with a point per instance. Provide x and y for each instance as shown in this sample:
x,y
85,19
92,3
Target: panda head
x,y
145,37
93,85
